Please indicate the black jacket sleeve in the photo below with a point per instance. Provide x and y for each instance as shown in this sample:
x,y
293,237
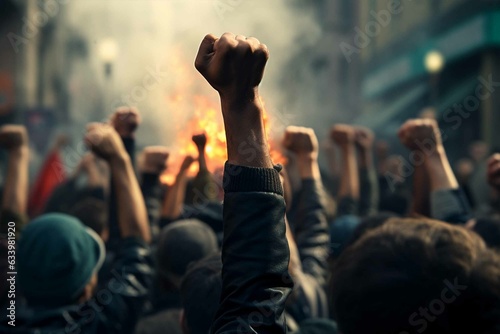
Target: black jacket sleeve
x,y
310,229
255,254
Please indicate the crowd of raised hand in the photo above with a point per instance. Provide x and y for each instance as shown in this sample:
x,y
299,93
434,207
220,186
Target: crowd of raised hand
x,y
374,244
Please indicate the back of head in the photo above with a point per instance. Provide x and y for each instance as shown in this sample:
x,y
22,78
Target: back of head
x,y
200,293
489,230
411,276
57,256
92,212
181,243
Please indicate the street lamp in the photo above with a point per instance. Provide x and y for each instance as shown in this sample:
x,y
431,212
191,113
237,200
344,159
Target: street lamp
x,y
434,62
107,52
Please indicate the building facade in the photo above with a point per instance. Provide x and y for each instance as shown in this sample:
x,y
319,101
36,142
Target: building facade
x,y
398,42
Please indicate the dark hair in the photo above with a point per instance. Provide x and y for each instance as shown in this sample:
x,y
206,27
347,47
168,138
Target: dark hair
x,y
91,212
369,223
411,275
200,294
489,230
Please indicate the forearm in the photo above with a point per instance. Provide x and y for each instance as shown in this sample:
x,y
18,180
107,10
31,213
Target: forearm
x,y
349,181
246,145
15,194
368,183
131,211
439,170
174,201
421,191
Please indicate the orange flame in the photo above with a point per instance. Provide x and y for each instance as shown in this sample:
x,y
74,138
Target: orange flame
x,y
207,119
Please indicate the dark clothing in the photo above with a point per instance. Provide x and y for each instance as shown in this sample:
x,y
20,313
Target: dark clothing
x,y
310,230
166,322
152,193
255,254
115,308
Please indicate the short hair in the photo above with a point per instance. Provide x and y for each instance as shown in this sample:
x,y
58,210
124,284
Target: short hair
x,y
411,275
489,230
181,243
200,294
92,212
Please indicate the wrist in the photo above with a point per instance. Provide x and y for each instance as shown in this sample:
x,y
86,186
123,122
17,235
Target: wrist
x,y
119,160
308,168
19,152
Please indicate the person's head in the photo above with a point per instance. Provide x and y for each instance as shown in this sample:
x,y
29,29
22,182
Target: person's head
x,y
93,213
341,231
411,275
200,293
488,229
58,259
181,243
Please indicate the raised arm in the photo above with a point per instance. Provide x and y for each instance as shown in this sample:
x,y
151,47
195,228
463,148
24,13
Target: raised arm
x,y
132,217
174,201
310,228
423,138
154,162
348,197
368,183
14,139
255,255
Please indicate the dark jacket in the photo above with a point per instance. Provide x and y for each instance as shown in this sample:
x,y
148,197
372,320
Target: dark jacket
x,y
255,254
310,230
115,307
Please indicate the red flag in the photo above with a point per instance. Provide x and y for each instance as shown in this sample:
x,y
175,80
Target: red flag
x,y
51,174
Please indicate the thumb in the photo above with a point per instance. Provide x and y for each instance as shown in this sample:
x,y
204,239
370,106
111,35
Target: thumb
x,y
204,52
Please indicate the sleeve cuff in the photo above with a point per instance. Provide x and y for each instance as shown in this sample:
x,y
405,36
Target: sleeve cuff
x,y
449,205
252,179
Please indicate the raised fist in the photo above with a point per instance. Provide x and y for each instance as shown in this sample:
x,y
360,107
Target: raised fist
x,y
104,141
233,65
420,134
493,171
154,159
200,140
13,137
343,134
188,161
125,120
364,138
302,141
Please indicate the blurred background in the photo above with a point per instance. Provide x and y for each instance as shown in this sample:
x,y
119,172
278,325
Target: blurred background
x,y
376,63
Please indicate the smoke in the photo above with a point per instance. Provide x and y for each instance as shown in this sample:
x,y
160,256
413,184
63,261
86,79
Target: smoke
x,y
157,42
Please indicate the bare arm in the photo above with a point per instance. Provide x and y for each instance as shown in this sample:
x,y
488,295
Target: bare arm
x,y
343,135
174,201
15,194
132,217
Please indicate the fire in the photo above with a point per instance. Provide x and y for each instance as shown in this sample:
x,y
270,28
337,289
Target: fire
x,y
207,119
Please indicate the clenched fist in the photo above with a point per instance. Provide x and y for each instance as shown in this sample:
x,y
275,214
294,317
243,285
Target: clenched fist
x,y
13,137
200,140
154,159
364,138
125,120
301,141
421,134
232,64
104,141
343,134
493,171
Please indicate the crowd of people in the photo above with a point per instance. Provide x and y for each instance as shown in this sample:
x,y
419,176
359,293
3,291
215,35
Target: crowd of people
x,y
364,247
